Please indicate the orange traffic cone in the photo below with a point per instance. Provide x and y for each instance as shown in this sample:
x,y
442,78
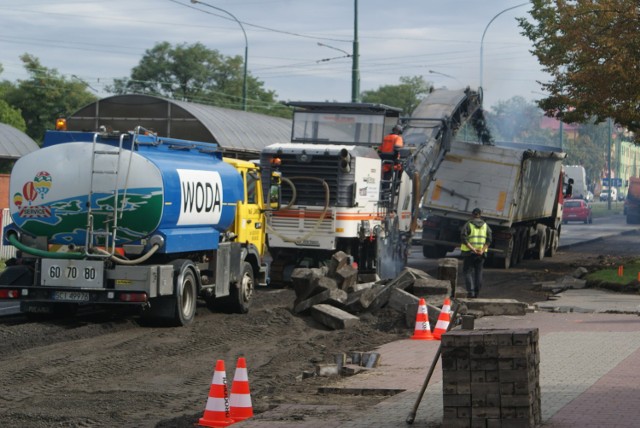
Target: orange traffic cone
x,y
216,413
442,325
423,329
621,270
240,401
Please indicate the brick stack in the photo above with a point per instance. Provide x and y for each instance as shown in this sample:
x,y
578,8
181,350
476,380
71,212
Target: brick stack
x,y
491,378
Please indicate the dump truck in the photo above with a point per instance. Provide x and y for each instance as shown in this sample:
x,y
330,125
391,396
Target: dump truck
x,y
134,220
632,201
340,193
520,193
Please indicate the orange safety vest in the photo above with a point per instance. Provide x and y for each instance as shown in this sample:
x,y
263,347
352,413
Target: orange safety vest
x,y
391,142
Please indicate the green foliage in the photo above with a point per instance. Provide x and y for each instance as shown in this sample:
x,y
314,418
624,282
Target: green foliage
x,y
45,96
589,149
590,49
198,74
406,95
11,116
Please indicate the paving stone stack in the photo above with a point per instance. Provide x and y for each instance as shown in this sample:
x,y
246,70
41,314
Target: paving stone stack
x,y
491,378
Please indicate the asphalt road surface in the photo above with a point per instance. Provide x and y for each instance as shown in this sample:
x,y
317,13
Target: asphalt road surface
x,y
572,234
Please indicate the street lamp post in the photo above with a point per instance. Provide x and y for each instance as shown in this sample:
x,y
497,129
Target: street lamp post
x,y
485,32
246,49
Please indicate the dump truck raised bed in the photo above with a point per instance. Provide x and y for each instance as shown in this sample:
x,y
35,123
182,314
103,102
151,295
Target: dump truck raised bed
x,y
518,190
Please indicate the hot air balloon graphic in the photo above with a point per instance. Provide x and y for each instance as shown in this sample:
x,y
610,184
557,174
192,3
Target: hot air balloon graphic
x,y
29,191
17,200
42,183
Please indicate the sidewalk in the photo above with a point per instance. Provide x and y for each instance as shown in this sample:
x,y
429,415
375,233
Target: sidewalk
x,y
589,373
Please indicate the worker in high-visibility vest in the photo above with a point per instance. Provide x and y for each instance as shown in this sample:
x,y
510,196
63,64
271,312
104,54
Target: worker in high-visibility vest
x,y
476,237
392,141
388,151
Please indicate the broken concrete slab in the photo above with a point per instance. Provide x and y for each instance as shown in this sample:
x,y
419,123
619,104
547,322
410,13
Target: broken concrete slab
x,y
430,286
448,271
495,307
574,283
326,370
332,317
305,281
400,300
334,295
338,260
407,277
346,276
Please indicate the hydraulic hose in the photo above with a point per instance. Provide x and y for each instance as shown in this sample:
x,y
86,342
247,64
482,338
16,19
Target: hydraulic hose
x,y
139,260
13,239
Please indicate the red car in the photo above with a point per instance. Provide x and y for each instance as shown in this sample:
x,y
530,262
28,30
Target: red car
x,y
576,210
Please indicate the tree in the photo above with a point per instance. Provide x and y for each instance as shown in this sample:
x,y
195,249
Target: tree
x,y
45,96
406,95
517,120
198,74
590,49
9,115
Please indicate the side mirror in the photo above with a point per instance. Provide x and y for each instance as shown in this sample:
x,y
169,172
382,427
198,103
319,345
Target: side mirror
x,y
274,197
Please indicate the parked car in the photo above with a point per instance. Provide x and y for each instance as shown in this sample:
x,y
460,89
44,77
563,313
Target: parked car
x,y
576,210
604,195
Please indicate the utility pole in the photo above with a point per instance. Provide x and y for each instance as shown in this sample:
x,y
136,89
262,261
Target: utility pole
x,y
355,72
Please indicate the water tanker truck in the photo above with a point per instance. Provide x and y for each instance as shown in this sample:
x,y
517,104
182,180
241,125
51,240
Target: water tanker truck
x,y
134,220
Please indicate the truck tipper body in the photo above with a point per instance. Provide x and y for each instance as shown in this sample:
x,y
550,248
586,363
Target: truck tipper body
x,y
518,190
134,219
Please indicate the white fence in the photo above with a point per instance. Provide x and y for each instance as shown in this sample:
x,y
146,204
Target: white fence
x,y
6,251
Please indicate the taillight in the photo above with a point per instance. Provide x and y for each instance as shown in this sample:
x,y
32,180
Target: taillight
x,y
9,294
133,297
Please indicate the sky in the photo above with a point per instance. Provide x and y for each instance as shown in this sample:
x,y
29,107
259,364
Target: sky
x,y
297,48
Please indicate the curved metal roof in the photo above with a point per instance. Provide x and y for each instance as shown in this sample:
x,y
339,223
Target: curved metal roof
x,y
15,143
240,132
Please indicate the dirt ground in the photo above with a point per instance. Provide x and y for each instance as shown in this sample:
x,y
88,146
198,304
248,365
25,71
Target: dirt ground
x,y
97,370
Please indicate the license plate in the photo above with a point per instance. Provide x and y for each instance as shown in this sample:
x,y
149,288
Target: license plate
x,y
72,273
71,296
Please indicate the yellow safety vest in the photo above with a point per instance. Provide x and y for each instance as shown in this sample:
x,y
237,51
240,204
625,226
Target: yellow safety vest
x,y
477,237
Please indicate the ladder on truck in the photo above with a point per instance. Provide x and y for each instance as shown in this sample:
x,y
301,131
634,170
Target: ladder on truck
x,y
105,177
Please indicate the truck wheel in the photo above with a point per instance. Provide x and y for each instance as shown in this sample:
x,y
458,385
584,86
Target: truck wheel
x,y
185,298
541,246
555,243
242,290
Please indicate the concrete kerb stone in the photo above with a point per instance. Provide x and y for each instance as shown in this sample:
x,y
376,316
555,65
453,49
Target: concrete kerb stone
x,y
332,317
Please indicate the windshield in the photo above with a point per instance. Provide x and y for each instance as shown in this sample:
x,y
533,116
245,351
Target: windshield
x,y
338,128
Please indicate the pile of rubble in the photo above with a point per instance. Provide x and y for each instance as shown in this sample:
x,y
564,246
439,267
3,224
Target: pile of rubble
x,y
336,294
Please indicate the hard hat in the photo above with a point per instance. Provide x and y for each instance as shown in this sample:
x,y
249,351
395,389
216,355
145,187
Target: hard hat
x,y
397,129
